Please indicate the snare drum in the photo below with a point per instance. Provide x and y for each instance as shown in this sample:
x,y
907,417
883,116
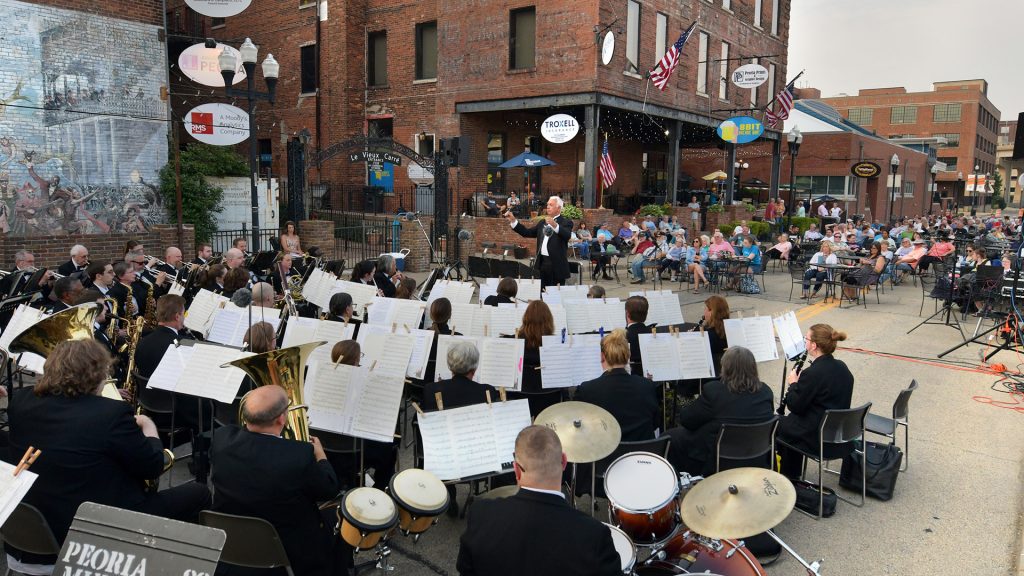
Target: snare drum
x,y
365,516
642,489
420,497
624,546
688,553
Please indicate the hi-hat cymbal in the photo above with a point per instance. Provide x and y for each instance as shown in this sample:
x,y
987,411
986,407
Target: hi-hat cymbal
x,y
587,432
738,503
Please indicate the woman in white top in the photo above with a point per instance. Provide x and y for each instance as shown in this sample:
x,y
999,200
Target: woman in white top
x,y
814,270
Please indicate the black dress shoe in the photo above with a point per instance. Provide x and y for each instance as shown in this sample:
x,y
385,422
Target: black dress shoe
x,y
608,277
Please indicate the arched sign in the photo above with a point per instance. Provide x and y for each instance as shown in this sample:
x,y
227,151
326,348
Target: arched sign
x,y
218,124
740,129
866,170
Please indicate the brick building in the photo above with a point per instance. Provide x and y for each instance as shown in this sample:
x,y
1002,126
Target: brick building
x,y
1009,168
958,111
490,71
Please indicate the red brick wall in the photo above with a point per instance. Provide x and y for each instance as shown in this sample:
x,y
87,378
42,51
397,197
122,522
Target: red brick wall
x,y
52,251
147,11
318,233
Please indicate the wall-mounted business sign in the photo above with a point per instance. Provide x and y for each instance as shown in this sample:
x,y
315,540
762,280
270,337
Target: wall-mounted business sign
x,y
375,157
750,76
218,124
740,129
608,48
866,170
200,64
218,8
559,128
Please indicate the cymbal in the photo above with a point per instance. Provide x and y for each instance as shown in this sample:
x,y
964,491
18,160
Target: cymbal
x,y
587,432
738,503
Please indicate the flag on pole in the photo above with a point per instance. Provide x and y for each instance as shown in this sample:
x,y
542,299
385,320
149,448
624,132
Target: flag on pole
x,y
663,71
785,100
606,167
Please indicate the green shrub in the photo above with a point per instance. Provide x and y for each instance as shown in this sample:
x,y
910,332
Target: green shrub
x,y
803,223
652,210
717,208
572,212
200,200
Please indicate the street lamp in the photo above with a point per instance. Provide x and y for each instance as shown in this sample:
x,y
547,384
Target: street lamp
x,y
934,188
959,190
794,139
249,51
974,195
740,166
894,165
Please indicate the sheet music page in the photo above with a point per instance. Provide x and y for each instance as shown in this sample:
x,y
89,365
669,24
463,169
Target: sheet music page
x,y
460,292
553,296
204,377
441,371
481,322
439,457
362,294
387,352
509,420
176,288
694,355
558,313
756,334
488,289
501,362
328,391
609,313
224,326
408,313
311,289
529,289
170,368
556,363
506,318
660,356
202,309
420,353
378,400
787,328
366,329
325,290
23,317
264,314
438,290
472,432
462,320
381,311
655,305
13,488
299,330
671,308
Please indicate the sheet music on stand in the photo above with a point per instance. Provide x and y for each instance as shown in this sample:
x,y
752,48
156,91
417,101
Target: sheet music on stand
x,y
362,294
677,356
477,439
229,324
663,306
554,295
463,318
318,285
301,330
24,318
528,288
388,311
13,488
176,288
194,368
444,341
354,400
200,312
787,328
501,362
388,352
591,315
506,319
456,292
570,363
755,334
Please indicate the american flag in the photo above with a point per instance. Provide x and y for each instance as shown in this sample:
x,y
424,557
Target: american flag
x,y
785,100
663,71
606,168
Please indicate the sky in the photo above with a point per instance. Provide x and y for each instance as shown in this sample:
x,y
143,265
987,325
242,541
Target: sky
x,y
846,45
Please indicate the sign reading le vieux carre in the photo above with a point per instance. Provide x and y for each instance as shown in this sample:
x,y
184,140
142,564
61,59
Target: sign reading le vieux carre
x,y
375,158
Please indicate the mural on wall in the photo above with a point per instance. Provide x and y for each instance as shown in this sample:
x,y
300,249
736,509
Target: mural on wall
x,y
82,127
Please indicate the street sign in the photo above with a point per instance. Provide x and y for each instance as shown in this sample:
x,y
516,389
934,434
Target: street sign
x,y
218,8
750,76
559,128
866,170
740,129
377,158
218,124
200,64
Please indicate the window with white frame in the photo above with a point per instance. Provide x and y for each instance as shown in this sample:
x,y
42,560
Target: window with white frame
x,y
702,63
633,36
753,91
723,73
757,12
771,81
659,37
775,17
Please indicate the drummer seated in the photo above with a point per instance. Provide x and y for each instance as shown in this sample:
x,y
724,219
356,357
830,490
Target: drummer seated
x,y
460,390
258,473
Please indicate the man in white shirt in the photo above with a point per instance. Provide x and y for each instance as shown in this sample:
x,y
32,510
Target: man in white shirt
x,y
823,210
553,237
812,234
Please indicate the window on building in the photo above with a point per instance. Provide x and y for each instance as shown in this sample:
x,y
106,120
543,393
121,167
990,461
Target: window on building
x,y
861,116
835,186
723,73
426,51
495,156
659,37
775,17
949,161
702,64
307,69
952,139
947,112
633,36
522,49
727,4
908,189
771,81
903,115
425,144
753,91
380,128
757,12
377,58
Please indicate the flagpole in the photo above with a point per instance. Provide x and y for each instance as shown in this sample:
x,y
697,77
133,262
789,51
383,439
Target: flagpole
x,y
788,85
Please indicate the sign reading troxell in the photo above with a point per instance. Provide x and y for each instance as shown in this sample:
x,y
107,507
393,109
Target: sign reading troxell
x,y
218,8
750,76
218,124
559,128
200,64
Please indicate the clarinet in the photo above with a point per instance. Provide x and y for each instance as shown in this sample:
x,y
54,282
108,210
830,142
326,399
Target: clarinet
x,y
798,365
700,324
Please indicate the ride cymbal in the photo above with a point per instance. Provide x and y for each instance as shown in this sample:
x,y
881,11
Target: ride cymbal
x,y
587,432
738,503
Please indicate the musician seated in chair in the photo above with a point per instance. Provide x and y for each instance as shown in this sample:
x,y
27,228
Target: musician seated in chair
x,y
633,400
526,533
263,295
636,316
66,291
737,397
505,294
94,449
460,390
259,473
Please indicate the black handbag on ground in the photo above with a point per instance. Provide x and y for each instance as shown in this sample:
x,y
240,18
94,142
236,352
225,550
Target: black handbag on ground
x,y
807,498
883,468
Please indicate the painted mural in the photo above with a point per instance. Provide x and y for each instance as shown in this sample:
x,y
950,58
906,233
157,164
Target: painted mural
x,y
82,126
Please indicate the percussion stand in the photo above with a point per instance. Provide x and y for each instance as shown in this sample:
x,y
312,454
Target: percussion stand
x,y
812,568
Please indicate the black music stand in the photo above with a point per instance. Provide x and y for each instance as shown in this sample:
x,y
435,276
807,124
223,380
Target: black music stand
x,y
947,317
262,261
7,308
990,274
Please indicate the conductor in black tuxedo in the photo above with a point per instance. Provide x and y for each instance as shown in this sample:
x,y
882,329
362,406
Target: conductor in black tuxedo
x,y
460,390
826,384
258,473
552,242
631,399
536,531
94,449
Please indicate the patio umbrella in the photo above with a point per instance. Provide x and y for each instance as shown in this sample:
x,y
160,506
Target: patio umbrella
x,y
825,198
716,175
527,160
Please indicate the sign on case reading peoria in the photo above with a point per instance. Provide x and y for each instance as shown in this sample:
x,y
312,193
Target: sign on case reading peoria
x,y
218,124
740,129
865,170
375,157
200,64
750,76
559,128
218,8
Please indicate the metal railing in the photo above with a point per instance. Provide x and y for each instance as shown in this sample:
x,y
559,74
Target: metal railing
x,y
367,240
221,240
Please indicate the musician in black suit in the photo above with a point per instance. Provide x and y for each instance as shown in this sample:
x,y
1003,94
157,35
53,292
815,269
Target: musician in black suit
x,y
342,310
636,316
204,253
122,291
94,449
526,533
633,400
826,384
737,397
66,291
170,317
386,275
505,294
17,280
78,263
552,242
258,473
440,314
463,359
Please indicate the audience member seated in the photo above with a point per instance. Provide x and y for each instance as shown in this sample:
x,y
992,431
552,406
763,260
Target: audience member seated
x,y
815,271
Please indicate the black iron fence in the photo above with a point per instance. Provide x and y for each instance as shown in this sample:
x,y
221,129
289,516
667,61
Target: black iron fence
x,y
333,198
366,240
223,239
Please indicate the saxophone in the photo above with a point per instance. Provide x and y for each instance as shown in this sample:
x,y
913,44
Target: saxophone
x,y
134,328
112,320
150,306
130,309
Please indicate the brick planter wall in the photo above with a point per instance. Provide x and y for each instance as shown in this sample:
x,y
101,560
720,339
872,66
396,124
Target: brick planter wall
x,y
318,233
52,251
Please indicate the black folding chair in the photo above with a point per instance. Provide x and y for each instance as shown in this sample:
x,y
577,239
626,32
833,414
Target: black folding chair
x,y
744,442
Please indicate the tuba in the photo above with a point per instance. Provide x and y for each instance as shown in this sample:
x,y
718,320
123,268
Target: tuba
x,y
285,368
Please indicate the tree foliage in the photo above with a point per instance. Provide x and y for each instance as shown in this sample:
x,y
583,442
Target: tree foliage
x,y
997,191
200,200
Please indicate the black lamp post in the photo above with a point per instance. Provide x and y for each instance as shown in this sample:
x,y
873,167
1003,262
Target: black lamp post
x,y
249,51
934,190
894,165
740,167
974,196
959,190
794,139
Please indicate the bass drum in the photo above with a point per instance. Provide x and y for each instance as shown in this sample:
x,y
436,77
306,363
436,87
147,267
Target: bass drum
x,y
686,554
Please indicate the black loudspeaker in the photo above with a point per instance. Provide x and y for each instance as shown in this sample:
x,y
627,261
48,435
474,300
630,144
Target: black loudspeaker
x,y
1018,141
